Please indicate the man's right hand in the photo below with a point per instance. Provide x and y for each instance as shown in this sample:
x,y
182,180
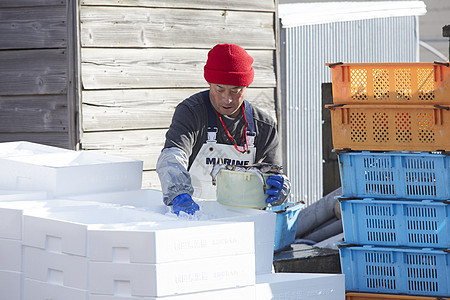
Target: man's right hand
x,y
184,203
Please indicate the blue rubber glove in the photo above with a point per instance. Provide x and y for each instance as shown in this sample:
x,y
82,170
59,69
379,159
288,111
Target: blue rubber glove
x,y
184,203
276,181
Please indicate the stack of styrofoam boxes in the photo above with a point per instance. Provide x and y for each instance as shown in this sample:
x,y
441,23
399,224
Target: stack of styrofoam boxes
x,y
109,235
66,255
395,202
264,229
117,254
11,242
268,285
10,254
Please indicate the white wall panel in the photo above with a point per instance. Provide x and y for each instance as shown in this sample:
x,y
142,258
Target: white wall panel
x,y
305,50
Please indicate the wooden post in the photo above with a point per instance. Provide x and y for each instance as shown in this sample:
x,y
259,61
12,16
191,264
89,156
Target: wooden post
x,y
331,178
446,33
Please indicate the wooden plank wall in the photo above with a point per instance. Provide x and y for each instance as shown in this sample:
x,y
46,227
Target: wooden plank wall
x,y
35,72
140,58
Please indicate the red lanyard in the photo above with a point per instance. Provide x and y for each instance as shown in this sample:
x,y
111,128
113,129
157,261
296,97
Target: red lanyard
x,y
244,136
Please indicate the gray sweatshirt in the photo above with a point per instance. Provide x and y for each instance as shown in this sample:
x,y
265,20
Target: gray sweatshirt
x,y
188,132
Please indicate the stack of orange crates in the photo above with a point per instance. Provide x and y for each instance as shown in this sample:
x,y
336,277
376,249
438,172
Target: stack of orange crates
x,y
389,107
391,131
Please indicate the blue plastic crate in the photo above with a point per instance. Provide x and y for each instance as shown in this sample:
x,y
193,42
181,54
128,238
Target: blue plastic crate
x,y
396,222
286,223
394,175
412,271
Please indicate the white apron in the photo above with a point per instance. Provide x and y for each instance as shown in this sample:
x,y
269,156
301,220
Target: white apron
x,y
206,158
211,151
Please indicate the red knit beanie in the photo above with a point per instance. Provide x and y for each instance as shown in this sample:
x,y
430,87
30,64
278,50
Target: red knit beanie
x,y
229,64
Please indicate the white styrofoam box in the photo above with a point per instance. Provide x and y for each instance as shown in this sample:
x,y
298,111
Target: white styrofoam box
x,y
132,229
22,148
55,268
263,258
10,255
170,242
264,220
264,224
38,290
54,235
300,286
241,293
157,280
10,285
69,173
11,223
151,200
14,195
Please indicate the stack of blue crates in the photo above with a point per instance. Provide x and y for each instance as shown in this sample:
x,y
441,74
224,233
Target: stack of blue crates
x,y
395,205
395,214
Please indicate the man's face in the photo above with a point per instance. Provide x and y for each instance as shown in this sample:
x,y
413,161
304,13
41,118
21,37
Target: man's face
x,y
227,99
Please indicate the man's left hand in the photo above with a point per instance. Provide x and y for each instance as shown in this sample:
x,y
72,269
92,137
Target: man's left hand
x,y
276,181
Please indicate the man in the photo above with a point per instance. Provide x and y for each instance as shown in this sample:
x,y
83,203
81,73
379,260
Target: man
x,y
218,123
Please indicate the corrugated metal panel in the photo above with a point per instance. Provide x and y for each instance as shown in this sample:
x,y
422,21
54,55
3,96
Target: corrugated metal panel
x,y
305,50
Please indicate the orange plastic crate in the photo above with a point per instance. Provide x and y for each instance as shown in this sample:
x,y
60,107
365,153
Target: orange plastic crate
x,y
367,296
390,127
391,83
